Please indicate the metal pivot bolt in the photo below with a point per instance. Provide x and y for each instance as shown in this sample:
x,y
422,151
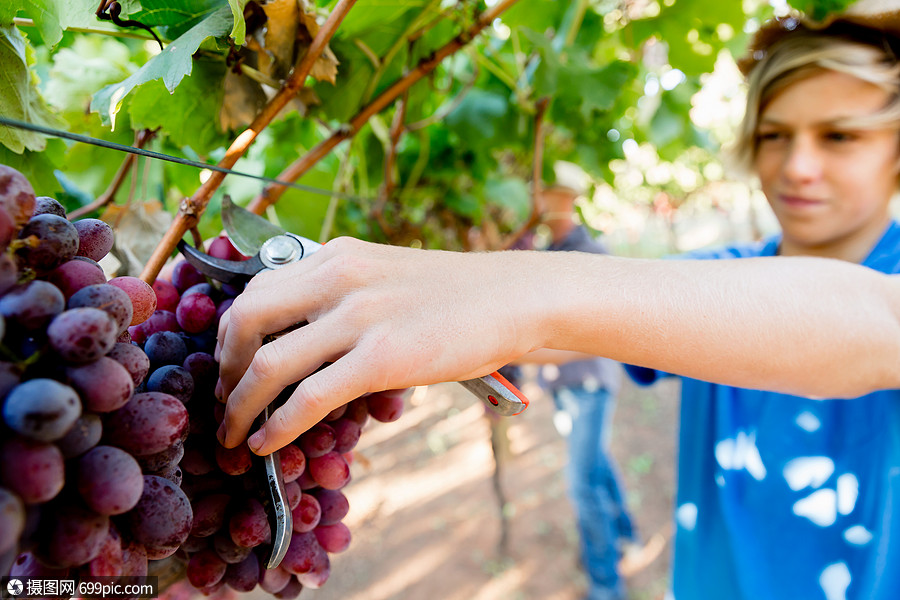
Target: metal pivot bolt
x,y
280,250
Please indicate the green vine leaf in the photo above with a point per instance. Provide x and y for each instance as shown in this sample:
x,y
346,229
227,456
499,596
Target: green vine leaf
x,y
239,29
171,65
19,95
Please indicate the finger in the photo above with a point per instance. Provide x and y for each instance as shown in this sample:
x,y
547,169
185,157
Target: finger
x,y
315,397
262,309
275,366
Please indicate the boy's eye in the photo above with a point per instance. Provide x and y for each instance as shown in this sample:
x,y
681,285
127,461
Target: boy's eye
x,y
839,136
769,136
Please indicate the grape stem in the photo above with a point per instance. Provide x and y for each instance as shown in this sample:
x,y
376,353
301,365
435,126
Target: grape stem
x,y
191,208
141,139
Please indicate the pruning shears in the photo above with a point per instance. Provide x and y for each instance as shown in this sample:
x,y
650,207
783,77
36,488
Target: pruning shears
x,y
270,247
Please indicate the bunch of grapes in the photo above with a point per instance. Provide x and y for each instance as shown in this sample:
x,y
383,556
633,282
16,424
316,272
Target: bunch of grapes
x,y
108,456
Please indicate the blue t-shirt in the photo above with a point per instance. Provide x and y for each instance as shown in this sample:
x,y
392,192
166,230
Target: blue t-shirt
x,y
784,497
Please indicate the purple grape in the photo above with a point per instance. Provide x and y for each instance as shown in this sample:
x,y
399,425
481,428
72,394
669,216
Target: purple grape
x,y
95,238
223,306
149,423
81,335
47,242
153,464
346,433
106,297
204,288
290,591
274,580
227,550
109,480
104,385
41,409
243,576
84,435
334,504
133,359
32,305
74,275
203,368
165,348
385,407
162,517
173,380
45,205
12,520
184,275
74,535
196,312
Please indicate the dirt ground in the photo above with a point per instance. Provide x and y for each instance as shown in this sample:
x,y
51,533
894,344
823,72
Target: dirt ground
x,y
426,519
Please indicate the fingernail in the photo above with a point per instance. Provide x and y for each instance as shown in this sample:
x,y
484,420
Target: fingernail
x,y
220,434
219,389
217,352
256,440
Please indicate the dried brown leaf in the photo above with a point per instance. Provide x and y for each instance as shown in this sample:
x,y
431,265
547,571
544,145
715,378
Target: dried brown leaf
x,y
139,228
244,98
280,33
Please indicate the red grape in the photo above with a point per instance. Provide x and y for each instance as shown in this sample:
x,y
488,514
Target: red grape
x,y
143,298
330,471
162,518
95,238
109,480
16,195
149,423
41,409
81,335
104,385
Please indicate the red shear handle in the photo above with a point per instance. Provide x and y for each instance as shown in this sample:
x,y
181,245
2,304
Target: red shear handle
x,y
498,394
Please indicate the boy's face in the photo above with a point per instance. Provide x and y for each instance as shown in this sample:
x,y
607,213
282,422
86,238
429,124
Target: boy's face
x,y
828,183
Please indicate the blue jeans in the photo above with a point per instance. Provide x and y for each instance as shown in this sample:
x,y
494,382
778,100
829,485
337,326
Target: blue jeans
x,y
594,487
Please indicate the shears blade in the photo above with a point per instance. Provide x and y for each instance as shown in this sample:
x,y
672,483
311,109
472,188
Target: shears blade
x,y
246,230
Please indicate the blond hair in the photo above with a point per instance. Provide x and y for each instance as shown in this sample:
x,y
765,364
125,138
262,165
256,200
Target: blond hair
x,y
800,55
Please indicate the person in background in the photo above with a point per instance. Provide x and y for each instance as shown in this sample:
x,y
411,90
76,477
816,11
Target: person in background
x,y
584,392
789,350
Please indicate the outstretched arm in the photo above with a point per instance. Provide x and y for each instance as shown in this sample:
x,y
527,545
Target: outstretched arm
x,y
388,317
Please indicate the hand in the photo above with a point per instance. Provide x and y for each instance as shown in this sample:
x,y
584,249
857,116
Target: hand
x,y
383,317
